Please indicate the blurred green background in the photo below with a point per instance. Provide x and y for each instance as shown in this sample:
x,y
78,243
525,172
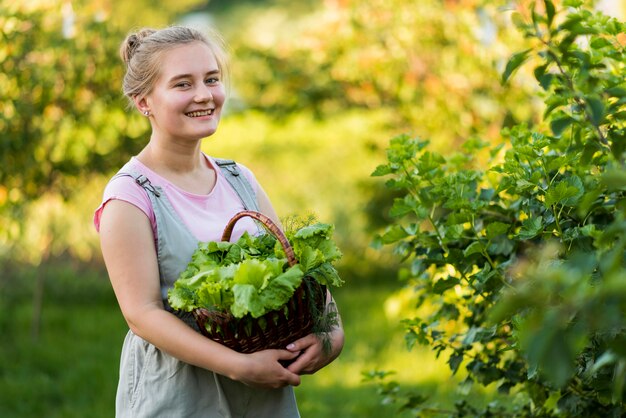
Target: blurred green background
x,y
318,88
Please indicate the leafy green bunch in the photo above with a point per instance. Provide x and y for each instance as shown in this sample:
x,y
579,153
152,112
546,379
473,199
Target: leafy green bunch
x,y
252,276
519,268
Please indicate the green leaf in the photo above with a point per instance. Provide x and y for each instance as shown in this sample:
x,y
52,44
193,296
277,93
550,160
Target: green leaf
x,y
254,272
596,107
454,232
213,295
614,179
455,361
544,79
559,125
531,227
246,301
181,299
549,350
599,43
313,245
496,228
410,338
574,182
430,161
442,285
550,11
616,92
382,170
519,21
565,192
473,248
279,290
404,206
309,257
393,234
514,63
326,274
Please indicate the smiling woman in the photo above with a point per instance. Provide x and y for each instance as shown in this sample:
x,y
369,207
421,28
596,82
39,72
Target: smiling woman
x,y
187,98
154,212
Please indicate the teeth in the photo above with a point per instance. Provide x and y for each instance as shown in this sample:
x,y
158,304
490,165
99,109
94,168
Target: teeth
x,y
200,113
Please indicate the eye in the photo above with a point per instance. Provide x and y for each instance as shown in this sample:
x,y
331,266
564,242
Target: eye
x,y
212,80
182,84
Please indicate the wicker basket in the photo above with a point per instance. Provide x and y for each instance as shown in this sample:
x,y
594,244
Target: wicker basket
x,y
281,327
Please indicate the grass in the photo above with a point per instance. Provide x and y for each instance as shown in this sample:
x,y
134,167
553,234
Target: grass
x,y
71,369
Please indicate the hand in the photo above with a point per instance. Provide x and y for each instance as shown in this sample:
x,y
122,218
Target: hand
x,y
263,369
312,355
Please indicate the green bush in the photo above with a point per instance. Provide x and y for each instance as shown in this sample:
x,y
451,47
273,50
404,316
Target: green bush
x,y
519,268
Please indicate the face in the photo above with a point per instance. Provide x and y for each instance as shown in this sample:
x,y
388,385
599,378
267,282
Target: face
x,y
187,99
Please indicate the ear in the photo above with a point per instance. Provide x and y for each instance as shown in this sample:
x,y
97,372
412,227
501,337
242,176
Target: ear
x,y
141,104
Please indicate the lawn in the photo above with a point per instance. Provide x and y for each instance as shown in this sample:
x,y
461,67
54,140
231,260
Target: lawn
x,y
71,369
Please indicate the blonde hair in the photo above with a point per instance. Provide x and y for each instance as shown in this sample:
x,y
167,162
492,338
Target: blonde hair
x,y
142,51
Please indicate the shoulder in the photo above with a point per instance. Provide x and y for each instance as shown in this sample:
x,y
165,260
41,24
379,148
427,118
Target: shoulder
x,y
124,187
246,171
124,184
134,178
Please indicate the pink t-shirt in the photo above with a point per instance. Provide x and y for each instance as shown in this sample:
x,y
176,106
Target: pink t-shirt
x,y
204,215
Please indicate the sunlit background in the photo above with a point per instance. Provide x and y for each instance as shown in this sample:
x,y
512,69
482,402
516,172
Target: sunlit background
x,y
318,88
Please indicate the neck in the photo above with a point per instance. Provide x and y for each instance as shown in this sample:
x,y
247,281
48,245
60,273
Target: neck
x,y
171,157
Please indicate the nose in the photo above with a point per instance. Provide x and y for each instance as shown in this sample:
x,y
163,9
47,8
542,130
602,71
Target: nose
x,y
203,94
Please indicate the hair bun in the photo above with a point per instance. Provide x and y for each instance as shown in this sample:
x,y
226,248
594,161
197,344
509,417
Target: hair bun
x,y
132,42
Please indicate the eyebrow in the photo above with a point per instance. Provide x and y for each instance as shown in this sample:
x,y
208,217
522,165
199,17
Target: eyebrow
x,y
179,76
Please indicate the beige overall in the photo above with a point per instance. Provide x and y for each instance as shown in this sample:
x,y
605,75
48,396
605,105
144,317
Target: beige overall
x,y
152,383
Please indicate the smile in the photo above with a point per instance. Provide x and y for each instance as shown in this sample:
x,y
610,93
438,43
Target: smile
x,y
200,113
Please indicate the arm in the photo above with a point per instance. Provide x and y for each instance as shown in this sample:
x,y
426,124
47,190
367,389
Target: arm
x,y
130,257
313,356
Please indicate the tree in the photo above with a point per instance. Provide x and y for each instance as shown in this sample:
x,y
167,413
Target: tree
x,y
62,122
522,263
429,65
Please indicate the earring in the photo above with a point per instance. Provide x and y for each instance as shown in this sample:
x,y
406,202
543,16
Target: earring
x,y
146,113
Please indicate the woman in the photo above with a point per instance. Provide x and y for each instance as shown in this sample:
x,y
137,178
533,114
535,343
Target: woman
x,y
154,212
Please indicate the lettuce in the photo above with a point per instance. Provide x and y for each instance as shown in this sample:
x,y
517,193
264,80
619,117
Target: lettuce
x,y
252,277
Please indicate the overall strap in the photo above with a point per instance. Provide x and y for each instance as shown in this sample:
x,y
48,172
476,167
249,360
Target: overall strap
x,y
239,183
141,180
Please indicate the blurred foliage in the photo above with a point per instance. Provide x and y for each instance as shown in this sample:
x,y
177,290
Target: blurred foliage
x,y
316,85
318,93
62,116
518,267
432,64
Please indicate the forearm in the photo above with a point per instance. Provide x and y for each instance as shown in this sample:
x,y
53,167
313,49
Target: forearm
x,y
337,339
171,335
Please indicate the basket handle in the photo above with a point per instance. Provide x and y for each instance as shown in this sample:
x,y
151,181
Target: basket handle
x,y
269,225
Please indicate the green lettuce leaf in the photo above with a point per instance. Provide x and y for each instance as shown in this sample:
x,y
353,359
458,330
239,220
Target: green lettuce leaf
x,y
181,298
213,294
281,288
249,299
326,274
251,276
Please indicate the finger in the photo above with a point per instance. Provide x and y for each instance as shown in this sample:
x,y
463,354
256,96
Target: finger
x,y
291,378
301,364
288,354
302,343
294,379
